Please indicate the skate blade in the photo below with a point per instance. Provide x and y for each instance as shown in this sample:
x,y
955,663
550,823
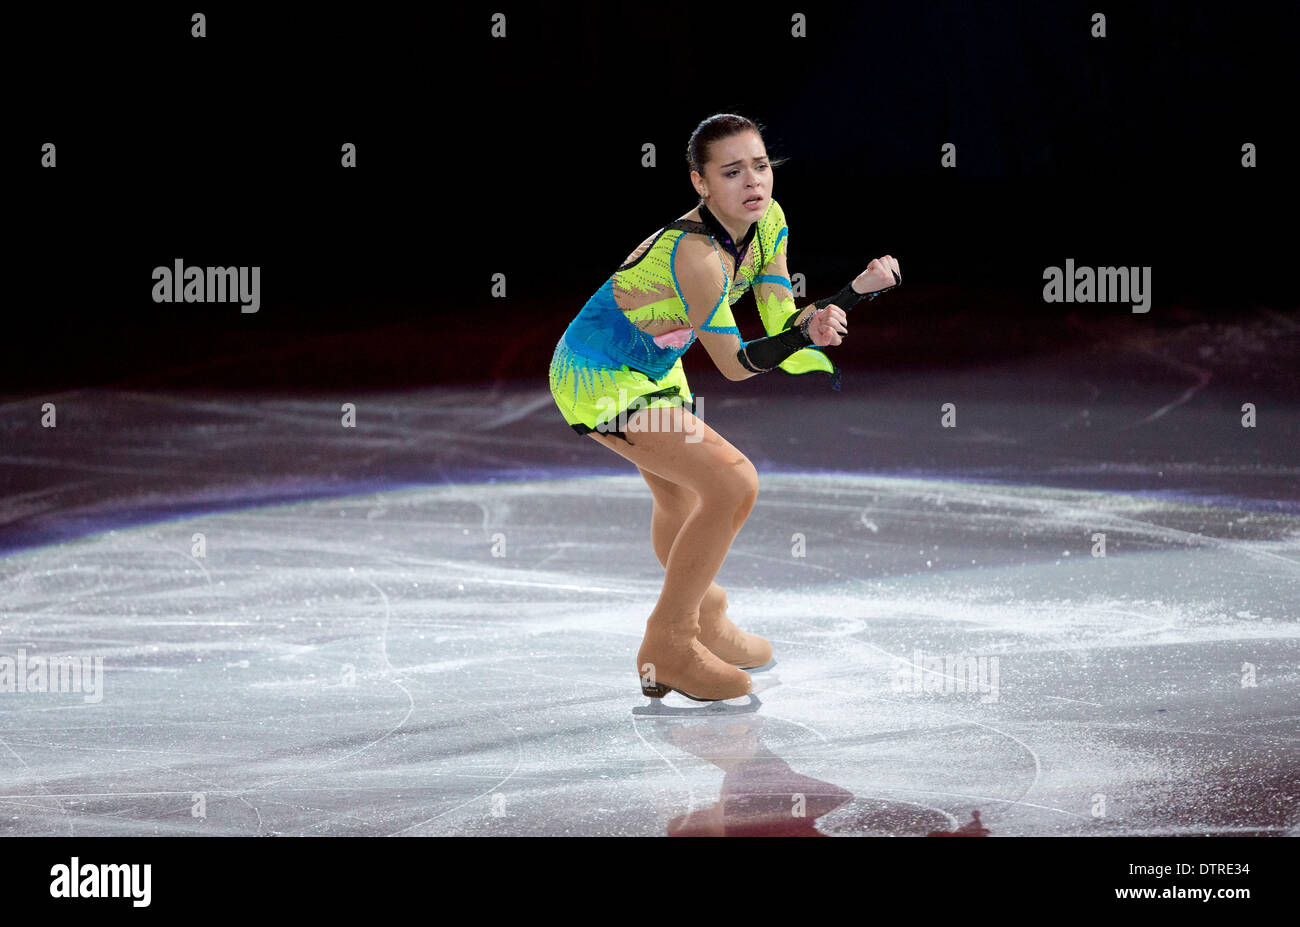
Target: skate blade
x,y
659,690
714,709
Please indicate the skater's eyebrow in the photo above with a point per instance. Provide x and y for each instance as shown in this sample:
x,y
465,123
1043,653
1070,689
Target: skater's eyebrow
x,y
759,158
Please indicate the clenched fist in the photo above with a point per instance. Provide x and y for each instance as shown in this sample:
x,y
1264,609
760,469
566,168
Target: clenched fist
x,y
827,325
881,274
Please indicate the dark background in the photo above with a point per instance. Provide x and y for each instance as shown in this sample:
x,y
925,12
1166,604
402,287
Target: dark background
x,y
522,156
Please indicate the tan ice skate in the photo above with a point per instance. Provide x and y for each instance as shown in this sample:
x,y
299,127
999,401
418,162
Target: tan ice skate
x,y
672,658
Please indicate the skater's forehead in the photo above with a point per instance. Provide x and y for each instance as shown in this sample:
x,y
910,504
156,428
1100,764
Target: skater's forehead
x,y
737,147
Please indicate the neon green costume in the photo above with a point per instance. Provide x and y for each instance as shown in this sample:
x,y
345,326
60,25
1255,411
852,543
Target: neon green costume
x,y
605,362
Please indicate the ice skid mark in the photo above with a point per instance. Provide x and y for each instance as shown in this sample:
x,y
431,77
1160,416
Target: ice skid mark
x,y
990,798
1202,380
63,811
692,804
515,411
519,759
58,463
1095,620
21,505
959,719
807,727
1106,512
383,645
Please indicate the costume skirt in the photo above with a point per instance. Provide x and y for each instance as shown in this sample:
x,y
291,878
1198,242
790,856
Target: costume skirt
x,y
592,396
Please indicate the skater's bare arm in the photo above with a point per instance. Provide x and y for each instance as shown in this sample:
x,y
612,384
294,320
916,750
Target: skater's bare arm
x,y
701,282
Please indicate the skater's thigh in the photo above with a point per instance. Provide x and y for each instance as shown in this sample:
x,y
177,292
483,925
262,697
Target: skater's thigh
x,y
686,451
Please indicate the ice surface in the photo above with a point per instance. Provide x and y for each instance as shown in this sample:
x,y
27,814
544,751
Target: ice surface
x,y
368,666
428,625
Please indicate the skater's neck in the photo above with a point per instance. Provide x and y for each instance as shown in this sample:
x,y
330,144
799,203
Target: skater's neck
x,y
734,240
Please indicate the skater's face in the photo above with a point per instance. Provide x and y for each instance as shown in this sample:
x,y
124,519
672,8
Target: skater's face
x,y
737,178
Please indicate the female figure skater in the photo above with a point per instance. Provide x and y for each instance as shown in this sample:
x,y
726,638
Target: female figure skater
x,y
621,357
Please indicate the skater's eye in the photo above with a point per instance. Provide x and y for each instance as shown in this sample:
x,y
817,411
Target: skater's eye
x,y
733,173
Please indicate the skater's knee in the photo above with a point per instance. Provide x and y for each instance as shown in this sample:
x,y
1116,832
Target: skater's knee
x,y
746,478
735,489
747,489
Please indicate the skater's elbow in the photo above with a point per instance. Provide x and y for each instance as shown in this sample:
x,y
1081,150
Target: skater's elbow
x,y
722,351
733,371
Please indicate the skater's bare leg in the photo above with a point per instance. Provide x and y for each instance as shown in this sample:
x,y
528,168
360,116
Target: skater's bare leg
x,y
726,485
673,504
